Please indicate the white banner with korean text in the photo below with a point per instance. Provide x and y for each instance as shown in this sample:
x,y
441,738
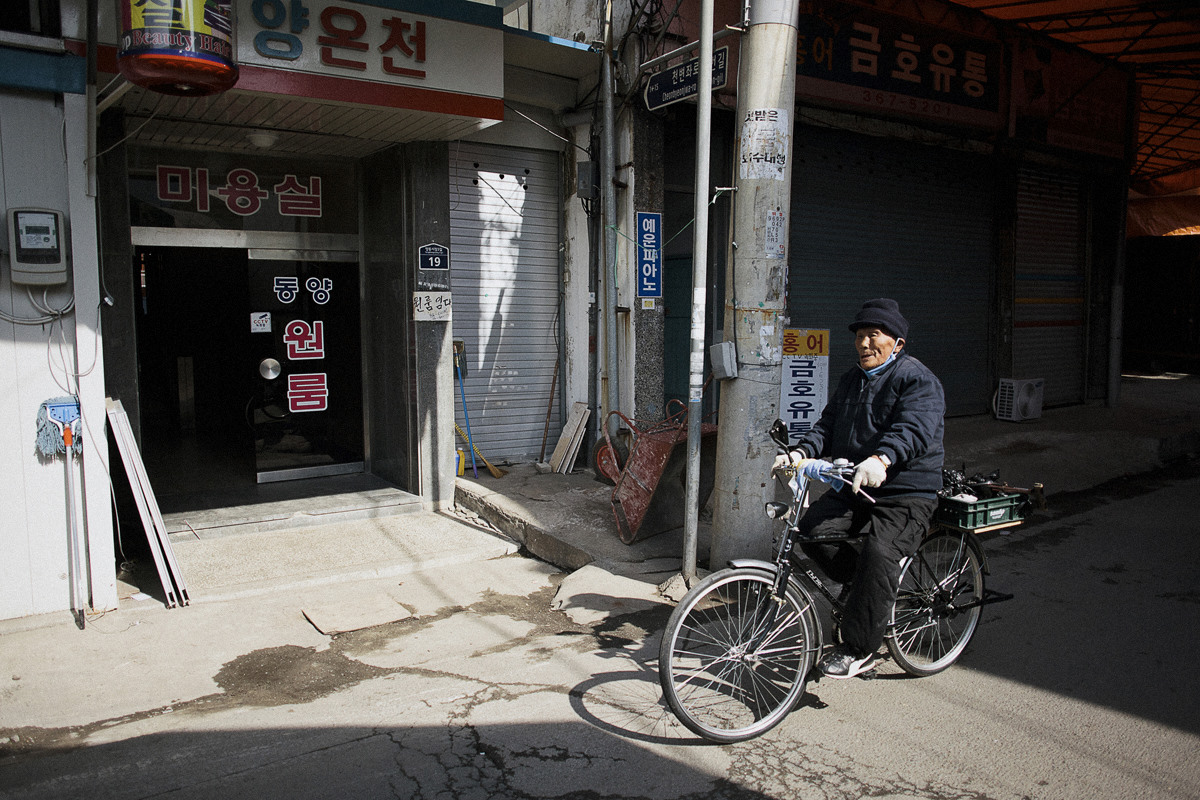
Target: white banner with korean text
x,y
804,387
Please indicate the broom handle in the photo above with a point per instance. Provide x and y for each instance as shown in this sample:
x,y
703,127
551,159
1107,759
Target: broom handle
x,y
462,390
549,410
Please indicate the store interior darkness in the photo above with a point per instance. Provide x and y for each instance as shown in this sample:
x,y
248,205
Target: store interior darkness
x,y
1162,305
197,378
192,337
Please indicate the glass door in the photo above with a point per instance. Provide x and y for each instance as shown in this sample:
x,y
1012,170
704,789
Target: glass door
x,y
305,409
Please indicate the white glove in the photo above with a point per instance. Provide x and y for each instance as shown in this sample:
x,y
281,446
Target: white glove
x,y
869,473
791,459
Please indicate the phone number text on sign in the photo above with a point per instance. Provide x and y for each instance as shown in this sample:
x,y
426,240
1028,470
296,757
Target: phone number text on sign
x,y
431,306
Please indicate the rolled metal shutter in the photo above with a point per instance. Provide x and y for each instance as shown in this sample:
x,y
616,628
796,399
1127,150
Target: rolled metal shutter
x,y
504,261
1049,315
875,217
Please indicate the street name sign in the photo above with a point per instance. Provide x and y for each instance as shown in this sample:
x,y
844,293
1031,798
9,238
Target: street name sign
x,y
683,81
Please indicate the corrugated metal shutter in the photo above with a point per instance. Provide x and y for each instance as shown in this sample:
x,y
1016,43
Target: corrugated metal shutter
x,y
1049,313
504,223
875,217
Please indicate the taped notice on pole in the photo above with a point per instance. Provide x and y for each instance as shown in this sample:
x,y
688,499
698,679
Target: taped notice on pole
x,y
764,144
804,387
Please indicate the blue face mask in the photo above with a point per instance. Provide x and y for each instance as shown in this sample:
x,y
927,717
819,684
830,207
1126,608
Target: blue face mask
x,y
876,370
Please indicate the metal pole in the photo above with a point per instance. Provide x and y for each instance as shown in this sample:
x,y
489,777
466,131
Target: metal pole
x,y
607,178
1116,310
699,293
756,282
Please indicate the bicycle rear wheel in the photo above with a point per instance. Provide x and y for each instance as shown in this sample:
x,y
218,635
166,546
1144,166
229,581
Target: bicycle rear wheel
x,y
734,659
938,606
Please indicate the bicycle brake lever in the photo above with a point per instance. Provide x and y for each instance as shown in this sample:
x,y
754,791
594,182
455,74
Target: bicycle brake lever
x,y
845,478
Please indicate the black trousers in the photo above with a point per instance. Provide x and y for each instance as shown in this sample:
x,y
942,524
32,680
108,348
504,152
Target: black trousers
x,y
891,528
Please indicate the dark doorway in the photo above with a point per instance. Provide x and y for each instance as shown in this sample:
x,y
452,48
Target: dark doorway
x,y
250,372
193,335
679,148
1162,304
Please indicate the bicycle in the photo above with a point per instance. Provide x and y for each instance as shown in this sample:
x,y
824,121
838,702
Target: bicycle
x,y
738,648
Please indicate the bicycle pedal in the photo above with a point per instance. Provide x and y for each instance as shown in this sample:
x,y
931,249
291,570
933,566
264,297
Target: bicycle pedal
x,y
869,675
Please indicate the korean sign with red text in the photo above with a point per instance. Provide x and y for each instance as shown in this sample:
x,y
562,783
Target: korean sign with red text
x,y
233,191
372,43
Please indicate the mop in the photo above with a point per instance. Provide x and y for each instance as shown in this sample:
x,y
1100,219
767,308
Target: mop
x,y
58,432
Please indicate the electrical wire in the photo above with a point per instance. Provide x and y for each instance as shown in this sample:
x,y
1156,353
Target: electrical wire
x,y
68,382
553,133
124,138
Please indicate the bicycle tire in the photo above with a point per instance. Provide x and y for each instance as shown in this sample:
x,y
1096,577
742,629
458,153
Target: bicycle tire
x,y
733,662
938,604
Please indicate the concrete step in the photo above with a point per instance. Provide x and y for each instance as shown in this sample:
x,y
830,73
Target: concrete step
x,y
291,513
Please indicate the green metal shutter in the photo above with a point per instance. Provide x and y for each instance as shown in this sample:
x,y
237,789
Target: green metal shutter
x,y
874,217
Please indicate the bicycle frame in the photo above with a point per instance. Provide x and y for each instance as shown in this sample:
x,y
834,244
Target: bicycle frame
x,y
789,560
740,646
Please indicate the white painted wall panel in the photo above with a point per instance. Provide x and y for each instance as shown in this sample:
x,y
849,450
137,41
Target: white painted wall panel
x,y
33,503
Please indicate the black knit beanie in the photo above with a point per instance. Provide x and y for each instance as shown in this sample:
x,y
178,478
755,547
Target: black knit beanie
x,y
883,312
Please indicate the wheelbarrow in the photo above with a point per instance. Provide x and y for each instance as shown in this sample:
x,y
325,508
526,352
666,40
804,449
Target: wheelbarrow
x,y
650,489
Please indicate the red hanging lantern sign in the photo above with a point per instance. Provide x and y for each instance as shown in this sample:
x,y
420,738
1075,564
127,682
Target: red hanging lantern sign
x,y
179,47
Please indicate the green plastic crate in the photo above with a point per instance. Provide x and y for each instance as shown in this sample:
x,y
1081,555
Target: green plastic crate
x,y
1003,509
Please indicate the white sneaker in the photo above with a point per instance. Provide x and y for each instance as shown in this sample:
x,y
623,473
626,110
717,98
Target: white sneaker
x,y
842,662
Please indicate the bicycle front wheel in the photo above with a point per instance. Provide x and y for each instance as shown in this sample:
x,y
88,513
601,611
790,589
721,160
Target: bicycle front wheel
x,y
734,658
939,603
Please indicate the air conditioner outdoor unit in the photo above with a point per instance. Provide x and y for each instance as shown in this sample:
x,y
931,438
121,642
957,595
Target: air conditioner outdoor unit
x,y
1018,400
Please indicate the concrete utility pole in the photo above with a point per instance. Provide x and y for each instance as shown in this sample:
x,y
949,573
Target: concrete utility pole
x,y
755,285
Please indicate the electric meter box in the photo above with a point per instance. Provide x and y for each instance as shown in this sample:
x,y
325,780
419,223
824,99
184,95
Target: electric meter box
x,y
37,246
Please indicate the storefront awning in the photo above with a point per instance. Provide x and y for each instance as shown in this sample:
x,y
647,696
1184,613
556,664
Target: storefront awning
x,y
1160,41
309,114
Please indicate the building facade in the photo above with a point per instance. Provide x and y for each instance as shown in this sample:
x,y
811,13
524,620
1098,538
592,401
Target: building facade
x,y
272,280
976,173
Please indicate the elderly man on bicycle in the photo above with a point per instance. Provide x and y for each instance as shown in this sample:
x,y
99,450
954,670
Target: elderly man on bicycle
x,y
886,418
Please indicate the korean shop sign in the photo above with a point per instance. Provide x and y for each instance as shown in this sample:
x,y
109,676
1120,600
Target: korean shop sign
x,y
181,190
649,254
804,387
372,43
891,65
304,315
304,340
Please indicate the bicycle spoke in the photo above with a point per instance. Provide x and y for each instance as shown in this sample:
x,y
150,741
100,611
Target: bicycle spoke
x,y
937,606
735,657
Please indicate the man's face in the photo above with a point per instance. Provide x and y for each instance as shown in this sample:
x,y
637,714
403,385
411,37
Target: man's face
x,y
873,346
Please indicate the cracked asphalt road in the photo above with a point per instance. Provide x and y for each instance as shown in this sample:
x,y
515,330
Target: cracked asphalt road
x,y
1072,690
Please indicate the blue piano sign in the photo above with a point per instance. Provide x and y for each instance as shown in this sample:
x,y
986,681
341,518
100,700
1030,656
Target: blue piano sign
x,y
649,254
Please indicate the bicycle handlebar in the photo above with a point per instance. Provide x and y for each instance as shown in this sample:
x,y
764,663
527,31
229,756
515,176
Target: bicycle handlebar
x,y
841,473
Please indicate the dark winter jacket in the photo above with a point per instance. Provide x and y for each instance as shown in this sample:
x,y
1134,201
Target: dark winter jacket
x,y
898,413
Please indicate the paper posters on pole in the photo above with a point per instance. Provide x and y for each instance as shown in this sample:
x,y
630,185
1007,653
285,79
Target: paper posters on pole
x,y
804,388
764,144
